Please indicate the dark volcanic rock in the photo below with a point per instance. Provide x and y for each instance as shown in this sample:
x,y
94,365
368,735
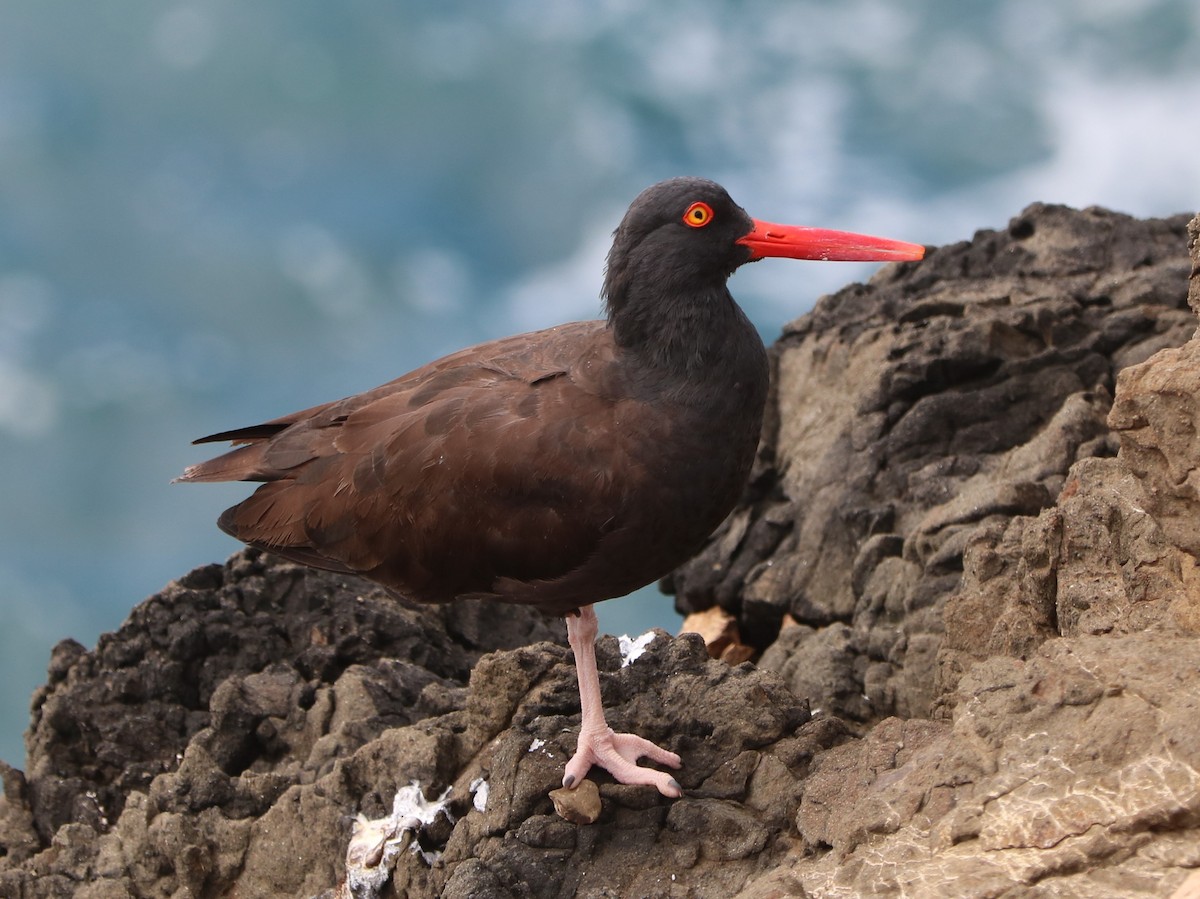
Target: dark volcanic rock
x,y
108,721
247,746
947,503
232,685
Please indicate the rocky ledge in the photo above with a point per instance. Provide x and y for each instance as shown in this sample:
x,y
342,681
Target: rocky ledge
x,y
965,567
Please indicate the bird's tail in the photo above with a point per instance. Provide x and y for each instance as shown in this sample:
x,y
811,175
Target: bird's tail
x,y
242,463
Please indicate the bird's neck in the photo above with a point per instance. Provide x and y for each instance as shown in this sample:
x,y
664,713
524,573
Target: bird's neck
x,y
697,336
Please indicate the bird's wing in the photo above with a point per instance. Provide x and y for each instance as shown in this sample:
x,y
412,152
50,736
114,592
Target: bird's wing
x,y
495,465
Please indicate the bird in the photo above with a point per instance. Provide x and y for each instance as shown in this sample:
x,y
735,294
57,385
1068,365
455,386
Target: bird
x,y
556,468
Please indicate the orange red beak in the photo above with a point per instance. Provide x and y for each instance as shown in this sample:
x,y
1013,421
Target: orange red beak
x,y
799,242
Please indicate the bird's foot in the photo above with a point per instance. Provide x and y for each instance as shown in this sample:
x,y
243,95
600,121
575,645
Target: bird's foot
x,y
618,754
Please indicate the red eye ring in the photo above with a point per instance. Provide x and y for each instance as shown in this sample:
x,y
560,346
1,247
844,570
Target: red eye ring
x,y
698,215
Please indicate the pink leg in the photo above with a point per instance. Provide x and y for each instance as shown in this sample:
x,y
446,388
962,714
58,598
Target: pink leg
x,y
598,745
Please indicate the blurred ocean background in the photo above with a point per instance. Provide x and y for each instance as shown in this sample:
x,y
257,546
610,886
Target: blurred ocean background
x,y
213,213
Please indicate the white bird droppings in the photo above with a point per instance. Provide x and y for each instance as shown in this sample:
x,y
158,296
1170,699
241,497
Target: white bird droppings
x,y
633,647
479,788
374,845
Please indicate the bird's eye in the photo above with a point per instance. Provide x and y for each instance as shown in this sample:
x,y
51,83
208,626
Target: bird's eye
x,y
698,215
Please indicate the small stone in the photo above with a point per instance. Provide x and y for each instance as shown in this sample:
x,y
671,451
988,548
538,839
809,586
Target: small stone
x,y
580,805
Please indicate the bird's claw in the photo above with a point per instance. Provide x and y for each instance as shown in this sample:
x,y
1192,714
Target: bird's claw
x,y
618,754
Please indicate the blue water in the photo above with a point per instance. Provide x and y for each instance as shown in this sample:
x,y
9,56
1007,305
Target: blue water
x,y
212,213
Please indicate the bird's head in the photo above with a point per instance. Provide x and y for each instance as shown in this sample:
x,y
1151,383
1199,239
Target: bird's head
x,y
686,235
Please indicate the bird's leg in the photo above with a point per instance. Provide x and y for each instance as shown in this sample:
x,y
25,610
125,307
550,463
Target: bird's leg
x,y
598,745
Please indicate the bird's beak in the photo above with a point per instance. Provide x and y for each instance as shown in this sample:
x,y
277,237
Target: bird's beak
x,y
798,242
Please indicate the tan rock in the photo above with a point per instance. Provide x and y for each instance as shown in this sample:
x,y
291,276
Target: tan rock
x,y
579,805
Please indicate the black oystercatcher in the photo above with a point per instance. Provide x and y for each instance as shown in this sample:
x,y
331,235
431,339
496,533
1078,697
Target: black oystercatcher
x,y
557,468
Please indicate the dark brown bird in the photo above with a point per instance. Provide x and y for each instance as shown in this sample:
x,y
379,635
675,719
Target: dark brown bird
x,y
557,468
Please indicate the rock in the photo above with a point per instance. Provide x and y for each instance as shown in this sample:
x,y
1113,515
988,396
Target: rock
x,y
1189,889
1073,774
18,837
580,805
675,695
720,633
979,569
736,653
1152,417
261,795
210,708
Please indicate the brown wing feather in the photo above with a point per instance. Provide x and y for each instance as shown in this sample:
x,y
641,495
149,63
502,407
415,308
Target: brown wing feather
x,y
485,473
268,450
